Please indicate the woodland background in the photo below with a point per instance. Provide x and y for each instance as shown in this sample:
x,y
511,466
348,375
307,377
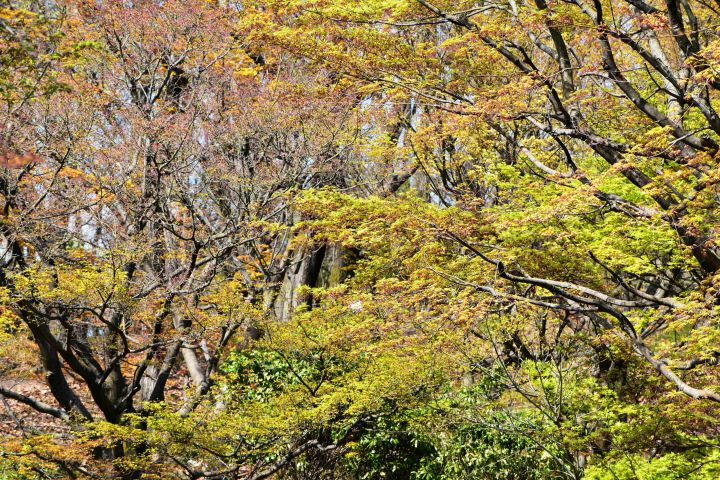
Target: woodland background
x,y
359,239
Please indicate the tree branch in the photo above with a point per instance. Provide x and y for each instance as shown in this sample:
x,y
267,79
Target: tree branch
x,y
36,404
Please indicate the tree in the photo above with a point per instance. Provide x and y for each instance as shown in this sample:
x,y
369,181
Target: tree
x,y
581,140
160,183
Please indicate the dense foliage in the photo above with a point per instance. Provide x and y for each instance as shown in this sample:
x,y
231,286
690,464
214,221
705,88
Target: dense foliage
x,y
324,239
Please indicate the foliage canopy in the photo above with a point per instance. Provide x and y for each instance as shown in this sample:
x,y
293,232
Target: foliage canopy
x,y
394,239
